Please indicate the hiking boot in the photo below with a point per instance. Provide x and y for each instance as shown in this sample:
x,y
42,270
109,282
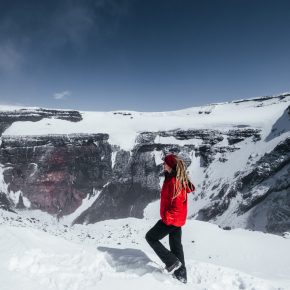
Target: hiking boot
x,y
177,264
180,274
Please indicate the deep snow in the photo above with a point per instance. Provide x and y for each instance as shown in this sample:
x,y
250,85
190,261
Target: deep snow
x,y
39,251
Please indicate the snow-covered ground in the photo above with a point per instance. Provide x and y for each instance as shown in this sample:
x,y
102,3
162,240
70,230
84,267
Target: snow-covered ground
x,y
38,251
124,126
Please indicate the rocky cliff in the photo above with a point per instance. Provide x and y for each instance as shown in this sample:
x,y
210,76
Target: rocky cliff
x,y
241,169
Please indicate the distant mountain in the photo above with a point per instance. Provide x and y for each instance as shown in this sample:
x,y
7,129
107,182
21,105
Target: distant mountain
x,y
92,166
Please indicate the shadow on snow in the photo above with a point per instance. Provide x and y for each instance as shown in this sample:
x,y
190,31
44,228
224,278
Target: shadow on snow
x,y
130,260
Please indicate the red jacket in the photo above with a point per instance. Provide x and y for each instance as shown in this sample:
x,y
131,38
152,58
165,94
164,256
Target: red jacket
x,y
173,211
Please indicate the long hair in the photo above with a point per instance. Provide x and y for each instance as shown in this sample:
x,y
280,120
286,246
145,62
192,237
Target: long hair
x,y
182,179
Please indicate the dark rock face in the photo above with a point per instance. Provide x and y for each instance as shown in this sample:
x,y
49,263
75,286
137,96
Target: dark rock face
x,y
215,209
135,178
264,189
20,204
281,126
119,200
271,174
281,97
236,136
56,172
210,137
5,203
8,117
270,164
278,213
134,184
209,147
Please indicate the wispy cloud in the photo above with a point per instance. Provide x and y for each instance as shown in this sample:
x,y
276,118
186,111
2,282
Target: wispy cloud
x,y
61,95
49,30
10,57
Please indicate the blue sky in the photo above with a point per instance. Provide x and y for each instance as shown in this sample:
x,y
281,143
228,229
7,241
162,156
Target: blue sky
x,y
144,55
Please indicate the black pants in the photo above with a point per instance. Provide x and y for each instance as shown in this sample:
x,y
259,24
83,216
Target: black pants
x,y
158,232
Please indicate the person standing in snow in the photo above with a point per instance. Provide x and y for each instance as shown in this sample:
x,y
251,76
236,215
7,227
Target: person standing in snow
x,y
173,213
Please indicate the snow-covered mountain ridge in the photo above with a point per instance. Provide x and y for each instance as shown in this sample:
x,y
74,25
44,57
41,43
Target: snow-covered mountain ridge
x,y
237,155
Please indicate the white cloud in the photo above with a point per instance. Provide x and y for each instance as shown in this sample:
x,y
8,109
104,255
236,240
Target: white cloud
x,y
62,95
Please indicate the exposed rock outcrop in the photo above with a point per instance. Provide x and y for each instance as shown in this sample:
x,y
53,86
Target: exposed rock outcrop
x,y
55,173
5,203
8,117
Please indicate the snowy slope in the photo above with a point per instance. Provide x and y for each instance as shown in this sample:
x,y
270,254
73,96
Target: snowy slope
x,y
268,115
39,250
114,253
123,126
